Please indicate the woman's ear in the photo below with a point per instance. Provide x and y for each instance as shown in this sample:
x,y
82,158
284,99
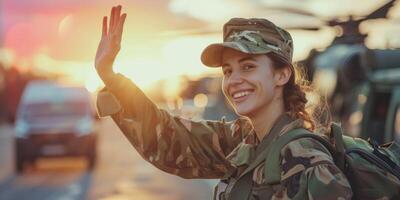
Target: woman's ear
x,y
283,75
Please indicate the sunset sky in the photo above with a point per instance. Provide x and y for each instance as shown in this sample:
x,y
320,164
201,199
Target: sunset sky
x,y
62,36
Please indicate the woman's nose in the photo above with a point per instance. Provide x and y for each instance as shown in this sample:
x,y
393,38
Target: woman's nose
x,y
235,78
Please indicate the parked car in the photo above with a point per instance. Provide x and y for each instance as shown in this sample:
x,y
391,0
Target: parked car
x,y
52,121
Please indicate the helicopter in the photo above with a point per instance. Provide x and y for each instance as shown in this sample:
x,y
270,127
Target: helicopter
x,y
362,85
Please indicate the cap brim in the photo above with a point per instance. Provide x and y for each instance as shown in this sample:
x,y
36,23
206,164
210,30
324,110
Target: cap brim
x,y
212,54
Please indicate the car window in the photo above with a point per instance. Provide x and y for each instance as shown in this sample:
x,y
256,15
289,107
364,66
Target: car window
x,y
51,109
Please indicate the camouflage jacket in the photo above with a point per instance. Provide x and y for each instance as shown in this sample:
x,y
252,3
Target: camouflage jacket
x,y
219,149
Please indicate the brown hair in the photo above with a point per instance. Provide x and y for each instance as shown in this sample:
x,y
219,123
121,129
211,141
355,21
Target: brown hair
x,y
316,116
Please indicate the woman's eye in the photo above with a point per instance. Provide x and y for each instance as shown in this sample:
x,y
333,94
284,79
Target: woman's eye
x,y
227,72
247,67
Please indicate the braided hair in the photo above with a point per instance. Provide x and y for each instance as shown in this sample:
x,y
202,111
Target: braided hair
x,y
316,116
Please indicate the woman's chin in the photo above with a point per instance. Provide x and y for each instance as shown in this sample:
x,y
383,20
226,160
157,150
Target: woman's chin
x,y
243,112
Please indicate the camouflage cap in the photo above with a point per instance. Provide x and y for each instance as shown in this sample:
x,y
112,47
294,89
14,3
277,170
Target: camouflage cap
x,y
252,36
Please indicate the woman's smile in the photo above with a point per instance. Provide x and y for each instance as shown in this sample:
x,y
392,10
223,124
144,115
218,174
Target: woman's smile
x,y
239,96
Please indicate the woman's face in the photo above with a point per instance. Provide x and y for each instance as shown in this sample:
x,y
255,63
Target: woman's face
x,y
249,82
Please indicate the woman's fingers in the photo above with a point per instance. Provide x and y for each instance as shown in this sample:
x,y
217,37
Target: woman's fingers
x,y
120,26
117,13
111,19
115,18
104,32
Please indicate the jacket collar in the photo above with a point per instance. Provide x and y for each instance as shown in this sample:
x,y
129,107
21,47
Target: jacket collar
x,y
283,124
251,146
279,126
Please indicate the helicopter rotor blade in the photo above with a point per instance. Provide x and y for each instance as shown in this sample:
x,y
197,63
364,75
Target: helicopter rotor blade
x,y
189,32
380,12
291,10
303,28
200,32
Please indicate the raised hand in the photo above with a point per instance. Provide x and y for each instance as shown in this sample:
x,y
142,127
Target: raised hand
x,y
110,43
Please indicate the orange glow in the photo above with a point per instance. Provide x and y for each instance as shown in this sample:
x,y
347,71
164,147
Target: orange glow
x,y
66,24
62,38
200,100
17,39
7,57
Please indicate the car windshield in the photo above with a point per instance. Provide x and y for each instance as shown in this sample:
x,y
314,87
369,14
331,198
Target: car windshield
x,y
54,109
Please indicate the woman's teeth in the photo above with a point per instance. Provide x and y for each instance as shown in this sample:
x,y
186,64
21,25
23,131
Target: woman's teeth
x,y
240,94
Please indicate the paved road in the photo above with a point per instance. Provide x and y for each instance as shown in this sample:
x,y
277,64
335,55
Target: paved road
x,y
120,174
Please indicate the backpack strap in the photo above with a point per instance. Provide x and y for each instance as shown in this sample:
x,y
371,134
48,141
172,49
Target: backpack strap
x,y
242,188
243,184
336,136
272,169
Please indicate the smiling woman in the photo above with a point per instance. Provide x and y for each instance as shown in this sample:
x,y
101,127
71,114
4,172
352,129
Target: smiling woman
x,y
250,86
260,82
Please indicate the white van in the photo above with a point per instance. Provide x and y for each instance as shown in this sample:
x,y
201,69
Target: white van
x,y
54,120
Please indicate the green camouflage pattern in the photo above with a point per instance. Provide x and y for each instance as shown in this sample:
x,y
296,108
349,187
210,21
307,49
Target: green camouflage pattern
x,y
308,163
175,145
218,149
252,36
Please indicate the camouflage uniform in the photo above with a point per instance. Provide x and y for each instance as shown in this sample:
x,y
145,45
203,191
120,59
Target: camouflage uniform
x,y
219,149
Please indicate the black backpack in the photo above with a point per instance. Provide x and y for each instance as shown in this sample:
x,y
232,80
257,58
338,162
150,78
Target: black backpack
x,y
373,171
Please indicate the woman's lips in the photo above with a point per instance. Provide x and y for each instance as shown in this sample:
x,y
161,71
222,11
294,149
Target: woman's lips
x,y
241,95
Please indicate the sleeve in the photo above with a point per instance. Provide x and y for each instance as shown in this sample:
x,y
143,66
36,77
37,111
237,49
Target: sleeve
x,y
173,144
308,172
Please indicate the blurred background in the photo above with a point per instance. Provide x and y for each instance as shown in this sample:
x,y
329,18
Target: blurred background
x,y
350,52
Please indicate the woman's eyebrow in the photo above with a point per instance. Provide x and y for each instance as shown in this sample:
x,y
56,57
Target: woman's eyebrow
x,y
251,58
247,58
